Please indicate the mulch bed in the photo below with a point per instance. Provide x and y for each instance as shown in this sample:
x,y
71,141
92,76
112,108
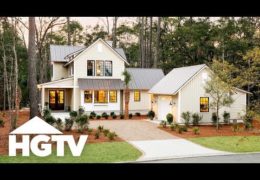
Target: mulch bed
x,y
224,130
24,117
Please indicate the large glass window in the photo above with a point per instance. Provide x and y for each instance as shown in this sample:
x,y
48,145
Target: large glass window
x,y
137,95
112,96
100,96
108,68
88,96
100,68
91,67
204,104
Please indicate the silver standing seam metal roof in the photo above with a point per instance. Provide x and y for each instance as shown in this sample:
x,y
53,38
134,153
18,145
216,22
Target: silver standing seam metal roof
x,y
142,79
59,52
175,79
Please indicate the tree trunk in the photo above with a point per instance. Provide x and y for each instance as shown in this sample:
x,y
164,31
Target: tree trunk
x,y
127,103
217,117
157,49
151,41
142,43
32,69
69,35
114,32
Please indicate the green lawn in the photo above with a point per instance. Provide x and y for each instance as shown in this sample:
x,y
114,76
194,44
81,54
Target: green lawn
x,y
230,143
92,153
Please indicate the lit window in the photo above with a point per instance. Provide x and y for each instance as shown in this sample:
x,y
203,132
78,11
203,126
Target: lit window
x,y
108,68
100,68
90,68
204,104
88,96
137,96
112,96
100,96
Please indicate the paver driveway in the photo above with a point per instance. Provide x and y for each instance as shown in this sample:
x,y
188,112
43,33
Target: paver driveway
x,y
153,142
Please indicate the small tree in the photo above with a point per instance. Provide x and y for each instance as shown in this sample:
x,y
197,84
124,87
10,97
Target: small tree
x,y
127,79
220,93
169,118
186,116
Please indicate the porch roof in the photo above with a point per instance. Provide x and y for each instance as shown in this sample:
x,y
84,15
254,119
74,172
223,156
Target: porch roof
x,y
98,84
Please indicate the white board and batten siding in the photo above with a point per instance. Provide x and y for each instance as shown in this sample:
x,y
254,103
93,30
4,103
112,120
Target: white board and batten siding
x,y
194,89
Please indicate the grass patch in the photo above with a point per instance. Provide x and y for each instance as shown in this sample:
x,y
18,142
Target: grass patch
x,y
230,143
92,153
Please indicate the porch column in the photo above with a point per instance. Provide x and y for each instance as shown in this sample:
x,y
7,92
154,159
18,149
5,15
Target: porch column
x,y
43,98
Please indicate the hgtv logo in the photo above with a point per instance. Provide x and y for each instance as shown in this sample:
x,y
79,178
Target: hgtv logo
x,y
40,144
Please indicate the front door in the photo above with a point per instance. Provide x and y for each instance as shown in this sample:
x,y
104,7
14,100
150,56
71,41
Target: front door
x,y
164,107
56,99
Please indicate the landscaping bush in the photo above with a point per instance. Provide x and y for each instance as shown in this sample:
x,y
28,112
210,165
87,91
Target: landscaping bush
x,y
184,128
93,114
73,114
214,118
50,119
163,124
98,117
179,130
196,118
105,132
130,116
68,124
122,116
186,117
111,135
138,114
235,127
59,124
114,116
226,117
81,110
173,127
91,117
248,119
90,130
82,122
100,128
196,130
105,115
2,123
46,112
97,135
151,114
169,118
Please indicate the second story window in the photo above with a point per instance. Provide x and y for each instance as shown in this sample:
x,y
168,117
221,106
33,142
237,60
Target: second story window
x,y
108,68
100,68
90,68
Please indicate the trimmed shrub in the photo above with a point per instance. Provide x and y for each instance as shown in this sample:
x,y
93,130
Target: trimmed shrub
x,y
111,135
90,130
214,118
196,130
179,130
91,117
112,114
105,115
93,114
163,124
106,131
73,114
59,124
248,119
82,122
186,116
50,119
169,118
138,114
98,117
46,113
196,118
151,114
173,127
130,116
81,110
100,128
97,135
226,117
122,116
68,124
184,128
2,123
